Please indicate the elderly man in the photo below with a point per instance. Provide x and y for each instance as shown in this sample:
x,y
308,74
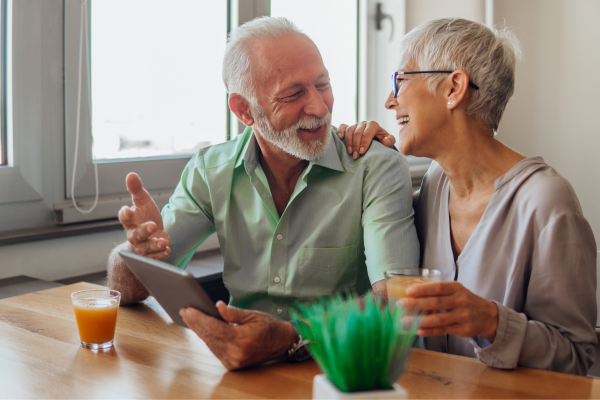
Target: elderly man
x,y
297,217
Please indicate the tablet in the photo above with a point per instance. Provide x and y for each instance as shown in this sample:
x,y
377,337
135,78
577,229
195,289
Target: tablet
x,y
172,287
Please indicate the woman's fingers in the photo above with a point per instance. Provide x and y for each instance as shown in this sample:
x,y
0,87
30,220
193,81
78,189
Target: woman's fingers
x,y
433,289
358,138
341,130
349,137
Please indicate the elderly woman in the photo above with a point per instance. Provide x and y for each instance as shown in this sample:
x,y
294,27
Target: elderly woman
x,y
517,256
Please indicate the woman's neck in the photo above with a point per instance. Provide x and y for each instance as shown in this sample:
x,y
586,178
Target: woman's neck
x,y
474,160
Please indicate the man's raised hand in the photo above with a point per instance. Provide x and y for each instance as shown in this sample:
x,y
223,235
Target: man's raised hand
x,y
143,222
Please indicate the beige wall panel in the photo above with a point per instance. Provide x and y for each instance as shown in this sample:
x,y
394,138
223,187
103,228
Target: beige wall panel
x,y
418,11
556,104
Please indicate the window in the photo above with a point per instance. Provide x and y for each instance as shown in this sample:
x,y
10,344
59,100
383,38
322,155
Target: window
x,y
155,77
156,92
337,40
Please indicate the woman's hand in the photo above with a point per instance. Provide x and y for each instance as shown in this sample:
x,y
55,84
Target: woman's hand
x,y
359,137
466,315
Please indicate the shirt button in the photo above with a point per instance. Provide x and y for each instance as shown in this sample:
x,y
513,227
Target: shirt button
x,y
279,311
279,237
277,279
443,349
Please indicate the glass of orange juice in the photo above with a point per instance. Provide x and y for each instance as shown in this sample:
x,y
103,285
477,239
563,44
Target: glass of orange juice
x,y
398,280
96,315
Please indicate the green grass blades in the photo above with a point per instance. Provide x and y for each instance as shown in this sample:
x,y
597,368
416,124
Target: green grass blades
x,y
356,349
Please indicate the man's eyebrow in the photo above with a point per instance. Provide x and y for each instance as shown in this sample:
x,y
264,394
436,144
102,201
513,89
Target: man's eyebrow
x,y
299,84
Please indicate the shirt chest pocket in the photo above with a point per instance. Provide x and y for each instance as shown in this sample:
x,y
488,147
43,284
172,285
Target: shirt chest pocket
x,y
324,271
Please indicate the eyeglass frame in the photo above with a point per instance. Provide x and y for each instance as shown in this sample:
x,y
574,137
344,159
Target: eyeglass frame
x,y
395,77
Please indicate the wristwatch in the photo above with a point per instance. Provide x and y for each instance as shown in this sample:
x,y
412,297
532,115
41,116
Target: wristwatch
x,y
298,351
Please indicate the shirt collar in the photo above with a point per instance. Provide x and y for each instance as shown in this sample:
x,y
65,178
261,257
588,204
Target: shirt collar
x,y
330,159
249,154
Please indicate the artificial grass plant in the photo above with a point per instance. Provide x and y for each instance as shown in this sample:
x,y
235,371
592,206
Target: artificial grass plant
x,y
356,349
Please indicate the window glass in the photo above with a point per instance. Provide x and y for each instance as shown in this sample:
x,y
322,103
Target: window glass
x,y
156,77
333,26
3,98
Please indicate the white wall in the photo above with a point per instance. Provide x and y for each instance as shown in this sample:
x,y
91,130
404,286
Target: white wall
x,y
418,11
557,98
67,257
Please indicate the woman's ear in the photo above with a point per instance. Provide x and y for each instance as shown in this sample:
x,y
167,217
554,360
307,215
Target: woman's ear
x,y
456,92
240,107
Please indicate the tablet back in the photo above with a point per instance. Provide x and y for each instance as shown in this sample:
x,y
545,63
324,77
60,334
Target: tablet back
x,y
172,287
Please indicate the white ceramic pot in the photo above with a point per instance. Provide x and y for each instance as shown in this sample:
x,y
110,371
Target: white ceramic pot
x,y
324,389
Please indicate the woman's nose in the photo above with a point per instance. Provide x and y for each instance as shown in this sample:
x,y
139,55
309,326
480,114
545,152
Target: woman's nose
x,y
391,102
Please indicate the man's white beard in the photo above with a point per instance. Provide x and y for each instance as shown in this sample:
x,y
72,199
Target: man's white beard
x,y
288,140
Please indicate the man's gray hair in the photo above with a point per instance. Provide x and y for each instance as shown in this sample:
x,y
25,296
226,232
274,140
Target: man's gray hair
x,y
487,55
237,74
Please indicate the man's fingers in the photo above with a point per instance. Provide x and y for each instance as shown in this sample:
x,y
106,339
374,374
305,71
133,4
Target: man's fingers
x,y
126,217
341,130
233,314
151,246
160,256
141,233
139,195
205,325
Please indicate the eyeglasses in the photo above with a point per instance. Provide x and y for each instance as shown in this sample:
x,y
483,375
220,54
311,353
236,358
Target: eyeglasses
x,y
395,78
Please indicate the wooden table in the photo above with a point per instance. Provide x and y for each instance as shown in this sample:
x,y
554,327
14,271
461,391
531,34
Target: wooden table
x,y
40,357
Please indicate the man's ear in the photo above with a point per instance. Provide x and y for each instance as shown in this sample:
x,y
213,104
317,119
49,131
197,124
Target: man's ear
x,y
240,107
456,91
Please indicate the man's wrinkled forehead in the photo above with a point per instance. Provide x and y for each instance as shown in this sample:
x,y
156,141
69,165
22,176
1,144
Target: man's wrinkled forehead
x,y
287,61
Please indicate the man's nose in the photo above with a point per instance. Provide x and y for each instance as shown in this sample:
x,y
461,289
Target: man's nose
x,y
315,105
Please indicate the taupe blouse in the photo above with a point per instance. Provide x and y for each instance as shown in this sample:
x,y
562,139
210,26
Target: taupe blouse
x,y
534,254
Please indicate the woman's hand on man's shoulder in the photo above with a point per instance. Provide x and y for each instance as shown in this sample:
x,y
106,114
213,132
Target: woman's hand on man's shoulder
x,y
358,137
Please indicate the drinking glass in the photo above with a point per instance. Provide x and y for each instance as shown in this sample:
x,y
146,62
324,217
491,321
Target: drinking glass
x,y
96,315
398,280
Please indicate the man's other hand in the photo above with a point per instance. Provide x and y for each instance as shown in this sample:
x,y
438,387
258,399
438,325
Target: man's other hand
x,y
358,137
245,338
143,222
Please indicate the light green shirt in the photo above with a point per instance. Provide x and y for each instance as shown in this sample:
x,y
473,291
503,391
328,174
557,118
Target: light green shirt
x,y
346,223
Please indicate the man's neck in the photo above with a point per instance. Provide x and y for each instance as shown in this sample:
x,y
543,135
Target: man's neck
x,y
283,167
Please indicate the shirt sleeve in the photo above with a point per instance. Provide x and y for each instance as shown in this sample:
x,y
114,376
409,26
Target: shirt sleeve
x,y
555,330
187,217
390,236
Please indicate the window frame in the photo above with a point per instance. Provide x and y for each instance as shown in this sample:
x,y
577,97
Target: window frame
x,y
157,173
3,63
378,59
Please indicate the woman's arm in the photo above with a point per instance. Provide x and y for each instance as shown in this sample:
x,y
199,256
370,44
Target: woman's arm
x,y
555,328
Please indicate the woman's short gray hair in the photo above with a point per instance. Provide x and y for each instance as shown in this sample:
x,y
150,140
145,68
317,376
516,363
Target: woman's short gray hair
x,y
236,62
487,55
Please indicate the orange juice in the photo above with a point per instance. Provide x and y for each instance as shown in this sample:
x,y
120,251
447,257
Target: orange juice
x,y
96,319
396,286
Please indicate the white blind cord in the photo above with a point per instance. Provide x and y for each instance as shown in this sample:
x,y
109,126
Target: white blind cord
x,y
87,48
